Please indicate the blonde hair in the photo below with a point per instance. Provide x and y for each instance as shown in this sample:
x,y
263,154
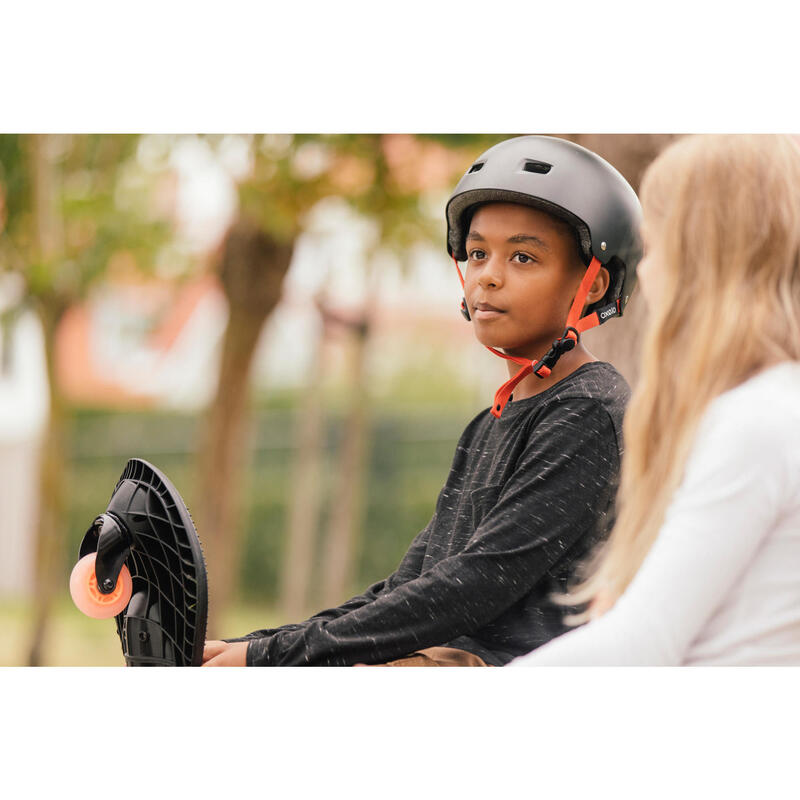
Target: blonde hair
x,y
722,214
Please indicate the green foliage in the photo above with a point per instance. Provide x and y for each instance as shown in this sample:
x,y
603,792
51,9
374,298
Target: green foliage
x,y
291,173
103,208
106,197
15,186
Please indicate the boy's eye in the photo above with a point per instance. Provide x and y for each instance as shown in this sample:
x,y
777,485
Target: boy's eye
x,y
477,254
523,258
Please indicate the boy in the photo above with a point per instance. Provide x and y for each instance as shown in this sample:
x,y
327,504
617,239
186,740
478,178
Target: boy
x,y
549,230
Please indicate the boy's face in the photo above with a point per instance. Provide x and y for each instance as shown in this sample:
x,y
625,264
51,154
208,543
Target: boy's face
x,y
522,274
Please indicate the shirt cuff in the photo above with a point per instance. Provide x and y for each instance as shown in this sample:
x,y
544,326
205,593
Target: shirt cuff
x,y
257,653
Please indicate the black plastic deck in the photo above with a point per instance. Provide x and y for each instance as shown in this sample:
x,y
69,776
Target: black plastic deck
x,y
165,622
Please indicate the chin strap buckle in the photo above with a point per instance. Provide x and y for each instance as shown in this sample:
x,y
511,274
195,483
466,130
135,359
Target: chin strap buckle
x,y
567,342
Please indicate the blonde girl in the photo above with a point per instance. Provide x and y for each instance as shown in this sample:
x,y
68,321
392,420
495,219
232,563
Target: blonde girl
x,y
703,565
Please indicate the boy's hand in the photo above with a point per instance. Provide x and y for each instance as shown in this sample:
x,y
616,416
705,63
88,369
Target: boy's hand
x,y
225,654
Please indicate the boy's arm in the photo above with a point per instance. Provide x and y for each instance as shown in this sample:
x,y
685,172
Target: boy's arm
x,y
560,486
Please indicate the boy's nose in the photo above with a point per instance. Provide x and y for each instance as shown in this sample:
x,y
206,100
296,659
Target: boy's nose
x,y
491,275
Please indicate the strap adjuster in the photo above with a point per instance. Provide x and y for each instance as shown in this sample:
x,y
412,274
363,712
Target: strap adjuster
x,y
564,344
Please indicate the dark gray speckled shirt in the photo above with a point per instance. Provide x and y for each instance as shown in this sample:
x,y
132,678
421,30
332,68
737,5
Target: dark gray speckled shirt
x,y
527,496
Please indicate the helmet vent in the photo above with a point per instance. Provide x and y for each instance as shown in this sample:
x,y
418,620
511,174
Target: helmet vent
x,y
476,167
538,167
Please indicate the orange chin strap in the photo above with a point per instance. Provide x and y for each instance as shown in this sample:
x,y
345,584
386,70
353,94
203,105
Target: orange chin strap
x,y
575,326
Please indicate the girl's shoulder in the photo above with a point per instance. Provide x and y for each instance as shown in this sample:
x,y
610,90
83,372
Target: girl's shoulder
x,y
768,400
756,425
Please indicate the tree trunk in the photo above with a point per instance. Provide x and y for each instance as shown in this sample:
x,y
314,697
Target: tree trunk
x,y
251,268
346,501
306,496
50,529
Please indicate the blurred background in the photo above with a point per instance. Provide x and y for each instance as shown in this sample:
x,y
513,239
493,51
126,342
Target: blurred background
x,y
270,319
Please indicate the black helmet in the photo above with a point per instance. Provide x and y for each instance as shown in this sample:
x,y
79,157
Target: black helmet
x,y
567,181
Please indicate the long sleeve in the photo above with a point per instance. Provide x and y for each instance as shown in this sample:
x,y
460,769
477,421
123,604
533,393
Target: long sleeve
x,y
733,488
550,500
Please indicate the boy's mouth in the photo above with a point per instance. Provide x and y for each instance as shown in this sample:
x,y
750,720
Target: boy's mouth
x,y
486,311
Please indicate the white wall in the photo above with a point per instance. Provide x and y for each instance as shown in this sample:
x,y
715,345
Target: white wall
x,y
23,414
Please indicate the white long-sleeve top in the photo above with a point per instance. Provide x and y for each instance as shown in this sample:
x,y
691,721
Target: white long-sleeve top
x,y
721,583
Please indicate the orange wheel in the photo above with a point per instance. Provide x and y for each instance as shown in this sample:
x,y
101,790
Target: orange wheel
x,y
88,598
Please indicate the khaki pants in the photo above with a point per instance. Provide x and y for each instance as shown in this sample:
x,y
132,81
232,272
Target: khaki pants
x,y
437,657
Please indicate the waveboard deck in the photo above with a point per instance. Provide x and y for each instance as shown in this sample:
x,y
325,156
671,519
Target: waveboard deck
x,y
146,530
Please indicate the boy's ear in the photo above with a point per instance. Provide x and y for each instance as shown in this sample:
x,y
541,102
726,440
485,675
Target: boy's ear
x,y
599,286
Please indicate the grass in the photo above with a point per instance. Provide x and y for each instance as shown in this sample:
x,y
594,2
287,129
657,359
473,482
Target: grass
x,y
74,640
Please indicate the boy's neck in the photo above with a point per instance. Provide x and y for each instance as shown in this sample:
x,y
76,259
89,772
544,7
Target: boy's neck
x,y
532,384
